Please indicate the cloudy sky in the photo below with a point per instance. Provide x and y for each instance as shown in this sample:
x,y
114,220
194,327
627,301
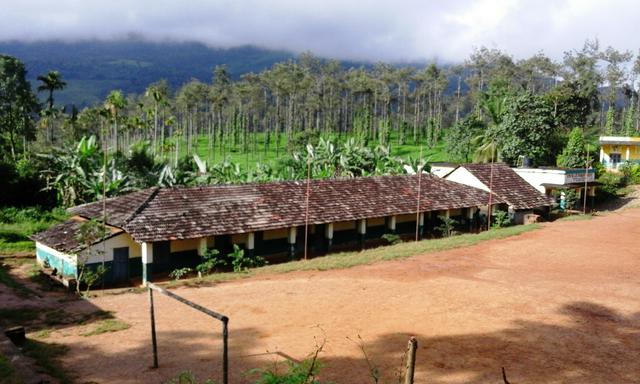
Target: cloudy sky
x,y
373,30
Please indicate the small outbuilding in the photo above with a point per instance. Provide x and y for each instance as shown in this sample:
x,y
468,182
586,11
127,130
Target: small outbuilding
x,y
520,197
617,150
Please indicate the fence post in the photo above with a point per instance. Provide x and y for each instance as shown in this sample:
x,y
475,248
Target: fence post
x,y
153,329
225,350
411,360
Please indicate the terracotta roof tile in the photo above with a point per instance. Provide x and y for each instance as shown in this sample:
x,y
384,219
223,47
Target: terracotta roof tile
x,y
180,213
507,184
192,212
119,209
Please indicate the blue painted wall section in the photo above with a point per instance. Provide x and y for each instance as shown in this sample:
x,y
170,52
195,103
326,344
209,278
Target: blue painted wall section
x,y
63,266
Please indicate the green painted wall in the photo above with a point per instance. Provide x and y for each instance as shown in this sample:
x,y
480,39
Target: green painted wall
x,y
63,266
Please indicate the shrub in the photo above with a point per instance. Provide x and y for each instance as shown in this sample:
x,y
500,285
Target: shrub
x,y
501,219
91,277
611,182
447,226
241,262
631,173
179,273
187,377
392,238
297,373
210,262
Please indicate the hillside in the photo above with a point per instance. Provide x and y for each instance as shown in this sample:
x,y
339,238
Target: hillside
x,y
93,68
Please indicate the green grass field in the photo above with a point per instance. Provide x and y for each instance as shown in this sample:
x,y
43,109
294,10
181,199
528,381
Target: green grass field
x,y
258,152
17,224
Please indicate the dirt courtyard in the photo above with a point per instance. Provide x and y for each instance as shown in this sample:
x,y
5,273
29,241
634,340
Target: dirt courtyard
x,y
555,305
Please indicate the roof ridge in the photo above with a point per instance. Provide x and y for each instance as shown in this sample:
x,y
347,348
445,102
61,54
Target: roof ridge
x,y
142,206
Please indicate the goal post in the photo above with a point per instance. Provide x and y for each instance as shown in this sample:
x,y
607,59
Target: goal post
x,y
218,316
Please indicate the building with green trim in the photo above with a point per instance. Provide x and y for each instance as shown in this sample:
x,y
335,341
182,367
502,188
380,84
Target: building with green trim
x,y
157,230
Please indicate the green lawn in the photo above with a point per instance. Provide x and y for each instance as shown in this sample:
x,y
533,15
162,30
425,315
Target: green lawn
x,y
16,224
258,153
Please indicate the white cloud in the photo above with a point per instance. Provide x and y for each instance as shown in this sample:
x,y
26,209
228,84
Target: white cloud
x,y
374,30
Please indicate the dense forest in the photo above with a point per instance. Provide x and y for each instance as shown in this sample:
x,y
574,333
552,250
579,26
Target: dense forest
x,y
338,119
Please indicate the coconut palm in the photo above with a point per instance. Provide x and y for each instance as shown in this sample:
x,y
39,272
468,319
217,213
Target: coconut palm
x,y
51,82
115,103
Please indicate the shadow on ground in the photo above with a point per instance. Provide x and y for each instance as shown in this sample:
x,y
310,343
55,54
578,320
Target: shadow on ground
x,y
595,345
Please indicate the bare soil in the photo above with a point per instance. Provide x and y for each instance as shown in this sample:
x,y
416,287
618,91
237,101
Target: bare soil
x,y
556,305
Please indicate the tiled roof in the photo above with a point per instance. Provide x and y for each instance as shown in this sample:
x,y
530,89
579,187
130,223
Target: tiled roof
x,y
508,185
63,237
180,213
119,209
192,212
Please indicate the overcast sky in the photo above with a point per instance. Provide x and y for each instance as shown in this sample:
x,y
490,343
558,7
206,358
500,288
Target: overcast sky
x,y
374,30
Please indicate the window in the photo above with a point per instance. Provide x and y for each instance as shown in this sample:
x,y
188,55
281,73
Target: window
x,y
615,158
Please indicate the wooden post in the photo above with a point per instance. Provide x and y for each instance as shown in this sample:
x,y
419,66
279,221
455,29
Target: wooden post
x,y
154,343
225,350
411,360
224,319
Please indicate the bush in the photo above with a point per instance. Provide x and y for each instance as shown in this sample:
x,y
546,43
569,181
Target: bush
x,y
392,238
501,219
631,173
241,262
187,377
447,227
210,262
179,273
611,182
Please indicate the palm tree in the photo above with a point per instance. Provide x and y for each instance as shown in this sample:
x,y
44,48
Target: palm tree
x,y
487,150
51,82
114,103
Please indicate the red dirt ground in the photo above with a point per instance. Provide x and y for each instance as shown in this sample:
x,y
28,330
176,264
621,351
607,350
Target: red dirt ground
x,y
556,305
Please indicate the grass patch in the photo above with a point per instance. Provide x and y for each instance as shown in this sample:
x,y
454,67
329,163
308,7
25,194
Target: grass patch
x,y
42,334
9,281
398,251
57,317
47,357
108,325
96,315
18,316
8,374
576,218
17,224
351,259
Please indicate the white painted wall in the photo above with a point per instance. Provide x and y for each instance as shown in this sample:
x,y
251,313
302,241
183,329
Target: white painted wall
x,y
537,177
96,251
463,176
441,170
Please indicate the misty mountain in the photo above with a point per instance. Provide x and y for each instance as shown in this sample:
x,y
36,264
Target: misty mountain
x,y
93,68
